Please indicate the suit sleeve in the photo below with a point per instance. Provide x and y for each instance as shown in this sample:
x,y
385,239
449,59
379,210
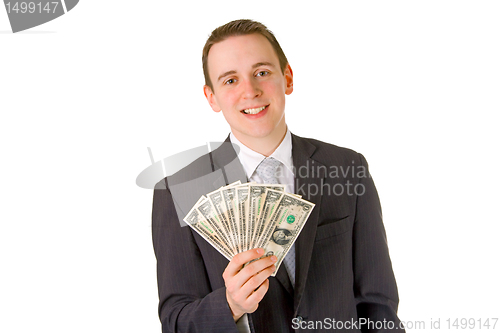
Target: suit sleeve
x,y
186,301
375,287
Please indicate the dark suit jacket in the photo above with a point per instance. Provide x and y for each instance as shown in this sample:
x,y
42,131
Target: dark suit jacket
x,y
343,269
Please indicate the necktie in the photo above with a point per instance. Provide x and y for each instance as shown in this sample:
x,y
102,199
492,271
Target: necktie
x,y
268,170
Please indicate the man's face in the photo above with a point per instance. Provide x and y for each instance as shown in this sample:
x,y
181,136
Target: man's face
x,y
248,86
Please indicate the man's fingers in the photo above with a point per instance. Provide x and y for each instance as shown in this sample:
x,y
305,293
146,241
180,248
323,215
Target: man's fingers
x,y
239,260
258,265
247,298
246,287
254,283
251,270
258,294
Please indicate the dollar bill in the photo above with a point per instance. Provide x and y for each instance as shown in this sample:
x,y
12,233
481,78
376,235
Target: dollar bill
x,y
220,212
242,215
271,199
288,219
208,211
199,224
229,203
239,217
257,194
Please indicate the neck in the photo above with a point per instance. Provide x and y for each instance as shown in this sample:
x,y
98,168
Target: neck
x,y
266,145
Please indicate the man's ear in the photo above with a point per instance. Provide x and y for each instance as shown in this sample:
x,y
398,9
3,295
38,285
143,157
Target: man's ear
x,y
288,79
209,94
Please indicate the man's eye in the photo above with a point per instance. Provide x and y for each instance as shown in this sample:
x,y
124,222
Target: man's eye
x,y
230,81
262,73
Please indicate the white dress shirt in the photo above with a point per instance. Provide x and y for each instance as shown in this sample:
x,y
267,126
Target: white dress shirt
x,y
250,160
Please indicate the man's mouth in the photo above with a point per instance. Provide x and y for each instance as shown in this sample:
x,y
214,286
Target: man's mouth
x,y
254,111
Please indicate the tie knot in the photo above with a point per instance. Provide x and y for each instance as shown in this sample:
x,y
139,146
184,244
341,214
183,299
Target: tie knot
x,y
268,170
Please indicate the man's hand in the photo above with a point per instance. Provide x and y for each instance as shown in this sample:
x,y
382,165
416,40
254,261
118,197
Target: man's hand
x,y
246,287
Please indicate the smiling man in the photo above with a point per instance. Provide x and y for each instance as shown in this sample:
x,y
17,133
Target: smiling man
x,y
338,275
249,87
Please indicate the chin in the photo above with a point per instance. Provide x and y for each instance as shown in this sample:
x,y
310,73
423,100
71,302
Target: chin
x,y
260,133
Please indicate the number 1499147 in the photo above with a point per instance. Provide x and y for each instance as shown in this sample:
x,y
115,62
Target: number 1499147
x,y
31,7
472,323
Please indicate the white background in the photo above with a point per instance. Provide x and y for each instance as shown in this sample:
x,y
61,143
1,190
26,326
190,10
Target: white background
x,y
414,86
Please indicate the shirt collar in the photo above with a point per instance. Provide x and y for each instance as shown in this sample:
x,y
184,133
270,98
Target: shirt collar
x,y
251,159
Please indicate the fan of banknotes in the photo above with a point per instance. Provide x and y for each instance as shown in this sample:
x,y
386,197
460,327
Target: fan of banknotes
x,y
240,217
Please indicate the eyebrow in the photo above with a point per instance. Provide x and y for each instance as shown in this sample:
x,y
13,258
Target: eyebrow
x,y
231,72
226,74
262,64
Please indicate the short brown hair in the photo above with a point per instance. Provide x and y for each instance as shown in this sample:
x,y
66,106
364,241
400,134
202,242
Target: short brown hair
x,y
240,28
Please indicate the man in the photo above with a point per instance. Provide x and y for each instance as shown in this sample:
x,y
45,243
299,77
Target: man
x,y
338,273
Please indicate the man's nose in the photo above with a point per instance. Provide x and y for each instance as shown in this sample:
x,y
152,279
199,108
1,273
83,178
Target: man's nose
x,y
251,88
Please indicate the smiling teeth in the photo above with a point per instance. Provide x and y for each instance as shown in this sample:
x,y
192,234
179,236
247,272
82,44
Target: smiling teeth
x,y
254,111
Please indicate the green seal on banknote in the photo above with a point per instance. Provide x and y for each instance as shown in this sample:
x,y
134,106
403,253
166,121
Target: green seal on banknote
x,y
290,219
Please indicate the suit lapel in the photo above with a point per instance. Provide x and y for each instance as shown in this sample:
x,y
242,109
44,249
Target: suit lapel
x,y
309,177
219,168
226,160
282,277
